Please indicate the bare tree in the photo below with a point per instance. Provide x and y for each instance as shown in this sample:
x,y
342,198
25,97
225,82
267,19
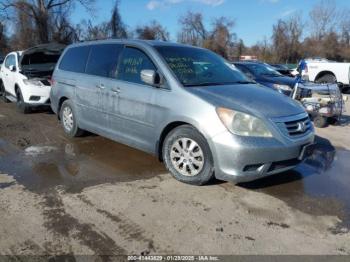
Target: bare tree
x,y
41,11
286,37
193,30
117,26
153,31
323,18
263,50
221,38
3,40
345,26
24,31
240,48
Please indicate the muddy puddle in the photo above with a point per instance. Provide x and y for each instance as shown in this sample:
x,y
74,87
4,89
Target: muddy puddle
x,y
75,165
320,186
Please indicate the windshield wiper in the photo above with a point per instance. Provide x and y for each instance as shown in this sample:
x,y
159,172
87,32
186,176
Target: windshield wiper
x,y
219,83
273,75
244,82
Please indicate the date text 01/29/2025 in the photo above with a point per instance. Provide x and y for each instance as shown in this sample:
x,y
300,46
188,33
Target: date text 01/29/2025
x,y
173,258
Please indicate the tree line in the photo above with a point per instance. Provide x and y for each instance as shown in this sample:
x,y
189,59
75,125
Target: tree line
x,y
324,33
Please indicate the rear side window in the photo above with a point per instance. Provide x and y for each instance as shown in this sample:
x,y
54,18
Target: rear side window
x,y
133,61
74,59
103,60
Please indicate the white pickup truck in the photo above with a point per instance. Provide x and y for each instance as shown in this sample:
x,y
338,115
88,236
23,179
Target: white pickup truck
x,y
326,71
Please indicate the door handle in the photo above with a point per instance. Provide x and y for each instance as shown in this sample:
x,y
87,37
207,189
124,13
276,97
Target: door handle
x,y
101,86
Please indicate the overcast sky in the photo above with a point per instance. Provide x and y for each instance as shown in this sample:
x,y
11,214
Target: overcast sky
x,y
254,18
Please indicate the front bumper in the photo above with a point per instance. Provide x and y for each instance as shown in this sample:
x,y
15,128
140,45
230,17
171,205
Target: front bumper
x,y
243,159
36,96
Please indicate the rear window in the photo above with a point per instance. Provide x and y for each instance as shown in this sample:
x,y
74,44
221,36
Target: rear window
x,y
74,59
103,60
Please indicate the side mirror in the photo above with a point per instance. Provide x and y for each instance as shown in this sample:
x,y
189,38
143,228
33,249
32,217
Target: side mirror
x,y
12,68
150,77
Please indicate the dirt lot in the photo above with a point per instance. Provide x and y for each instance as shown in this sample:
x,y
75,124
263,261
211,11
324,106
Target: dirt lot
x,y
94,196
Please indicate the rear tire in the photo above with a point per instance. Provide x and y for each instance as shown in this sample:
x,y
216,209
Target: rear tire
x,y
187,156
22,107
327,78
3,93
69,120
320,121
333,120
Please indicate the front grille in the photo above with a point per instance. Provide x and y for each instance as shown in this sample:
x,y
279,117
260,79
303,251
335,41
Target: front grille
x,y
294,126
298,127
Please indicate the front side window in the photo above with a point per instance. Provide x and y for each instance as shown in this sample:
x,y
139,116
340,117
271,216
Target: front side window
x,y
103,60
132,62
10,61
200,67
74,59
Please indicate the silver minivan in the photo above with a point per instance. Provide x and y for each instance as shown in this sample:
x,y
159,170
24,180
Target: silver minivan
x,y
184,104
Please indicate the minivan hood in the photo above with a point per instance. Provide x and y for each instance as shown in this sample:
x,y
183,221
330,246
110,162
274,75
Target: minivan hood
x,y
250,98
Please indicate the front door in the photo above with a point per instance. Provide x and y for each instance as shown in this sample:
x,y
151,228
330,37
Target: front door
x,y
8,75
135,117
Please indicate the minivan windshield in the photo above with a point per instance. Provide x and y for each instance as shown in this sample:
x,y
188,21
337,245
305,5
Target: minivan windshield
x,y
200,67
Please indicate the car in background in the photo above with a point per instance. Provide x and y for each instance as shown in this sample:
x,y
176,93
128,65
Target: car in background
x,y
322,70
25,76
184,104
267,75
1,60
283,69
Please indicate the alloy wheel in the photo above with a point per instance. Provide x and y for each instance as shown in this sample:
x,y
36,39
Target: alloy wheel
x,y
67,118
187,157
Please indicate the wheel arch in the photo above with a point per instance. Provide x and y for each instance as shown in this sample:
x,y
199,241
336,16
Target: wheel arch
x,y
60,102
323,73
166,130
17,87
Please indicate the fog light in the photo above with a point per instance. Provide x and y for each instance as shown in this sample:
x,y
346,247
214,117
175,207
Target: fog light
x,y
34,98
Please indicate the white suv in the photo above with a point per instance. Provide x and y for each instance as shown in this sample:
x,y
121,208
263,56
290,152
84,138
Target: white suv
x,y
25,76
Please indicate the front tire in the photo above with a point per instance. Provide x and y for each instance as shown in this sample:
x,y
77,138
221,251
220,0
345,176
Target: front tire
x,y
187,156
22,107
320,121
69,120
3,93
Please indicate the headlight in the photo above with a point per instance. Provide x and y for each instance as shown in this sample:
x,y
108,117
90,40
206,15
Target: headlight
x,y
33,82
282,87
242,124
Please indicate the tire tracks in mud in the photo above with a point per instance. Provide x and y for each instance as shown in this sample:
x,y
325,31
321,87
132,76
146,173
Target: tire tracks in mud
x,y
64,225
127,229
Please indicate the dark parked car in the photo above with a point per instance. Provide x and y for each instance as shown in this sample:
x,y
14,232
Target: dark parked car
x,y
283,69
266,75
